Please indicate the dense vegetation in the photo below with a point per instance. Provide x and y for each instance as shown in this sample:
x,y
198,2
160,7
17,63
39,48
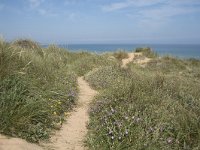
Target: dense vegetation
x,y
36,89
151,107
38,86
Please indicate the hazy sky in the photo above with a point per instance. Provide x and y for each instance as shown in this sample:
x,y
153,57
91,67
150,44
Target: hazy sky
x,y
101,21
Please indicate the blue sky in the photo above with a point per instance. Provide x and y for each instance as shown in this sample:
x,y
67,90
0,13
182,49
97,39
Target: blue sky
x,y
101,21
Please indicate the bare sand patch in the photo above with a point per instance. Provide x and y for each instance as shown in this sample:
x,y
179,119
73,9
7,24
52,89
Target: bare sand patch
x,y
137,58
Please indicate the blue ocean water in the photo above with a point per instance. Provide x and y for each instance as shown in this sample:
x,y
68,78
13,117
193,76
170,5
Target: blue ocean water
x,y
177,50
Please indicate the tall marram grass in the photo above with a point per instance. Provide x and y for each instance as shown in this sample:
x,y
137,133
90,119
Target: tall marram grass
x,y
146,108
36,89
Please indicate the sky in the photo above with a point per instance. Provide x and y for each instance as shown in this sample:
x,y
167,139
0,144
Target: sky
x,y
101,21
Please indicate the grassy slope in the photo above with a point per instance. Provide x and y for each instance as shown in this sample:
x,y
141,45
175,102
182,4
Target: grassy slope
x,y
36,89
38,86
156,107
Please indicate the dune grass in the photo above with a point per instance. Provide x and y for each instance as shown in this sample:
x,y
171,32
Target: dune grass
x,y
38,86
36,89
151,107
155,107
85,62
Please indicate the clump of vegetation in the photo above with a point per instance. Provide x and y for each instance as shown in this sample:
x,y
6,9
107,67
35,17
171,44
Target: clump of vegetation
x,y
105,77
86,63
120,55
36,89
189,68
148,109
27,44
147,51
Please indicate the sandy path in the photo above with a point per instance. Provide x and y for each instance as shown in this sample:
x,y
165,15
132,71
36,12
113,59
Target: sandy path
x,y
16,144
131,57
142,61
72,133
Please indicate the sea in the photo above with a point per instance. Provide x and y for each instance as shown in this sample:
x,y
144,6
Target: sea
x,y
176,50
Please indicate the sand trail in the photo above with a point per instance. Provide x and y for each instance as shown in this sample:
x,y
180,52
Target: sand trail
x,y
136,58
73,132
7,143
